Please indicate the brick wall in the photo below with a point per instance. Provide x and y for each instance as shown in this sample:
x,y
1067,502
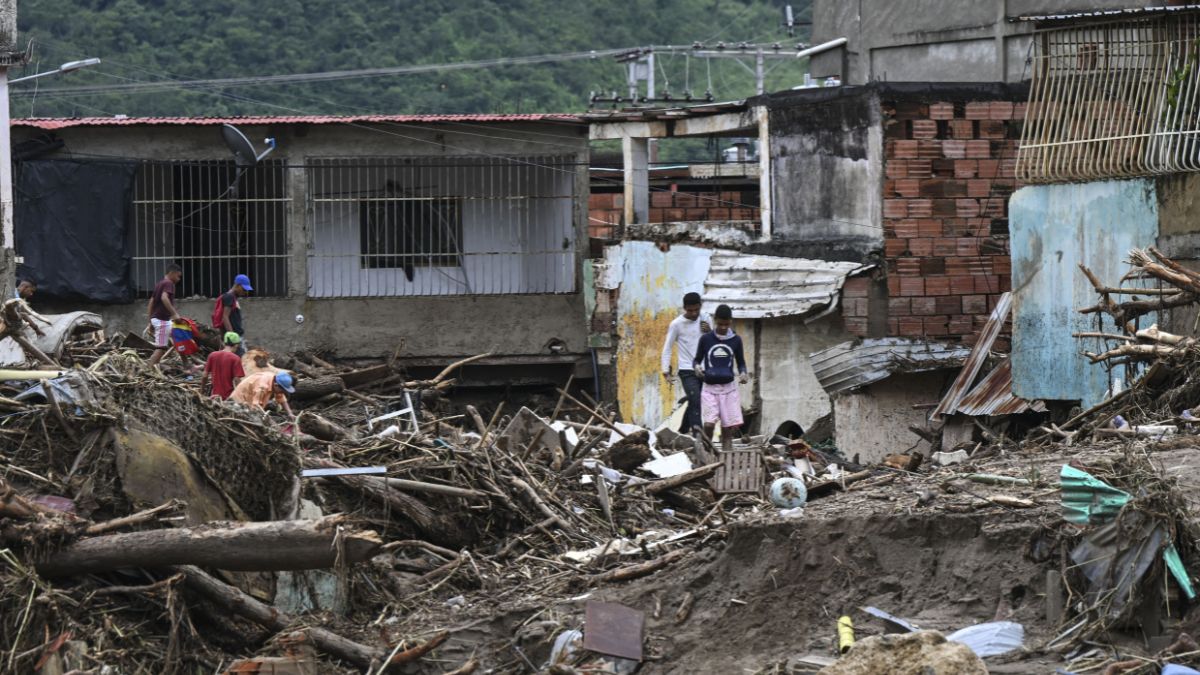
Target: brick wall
x,y
605,209
949,171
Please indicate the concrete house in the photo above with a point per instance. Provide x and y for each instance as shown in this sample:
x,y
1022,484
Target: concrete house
x,y
432,237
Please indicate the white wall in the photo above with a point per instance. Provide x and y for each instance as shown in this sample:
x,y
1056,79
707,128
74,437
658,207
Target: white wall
x,y
517,229
873,421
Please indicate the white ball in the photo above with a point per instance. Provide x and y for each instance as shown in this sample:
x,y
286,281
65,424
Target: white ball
x,y
299,318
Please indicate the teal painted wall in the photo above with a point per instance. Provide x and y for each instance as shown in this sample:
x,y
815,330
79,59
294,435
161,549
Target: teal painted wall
x,y
1054,228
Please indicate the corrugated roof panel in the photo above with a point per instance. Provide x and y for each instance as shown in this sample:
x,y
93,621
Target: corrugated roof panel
x,y
857,363
966,378
762,286
52,123
993,395
1107,13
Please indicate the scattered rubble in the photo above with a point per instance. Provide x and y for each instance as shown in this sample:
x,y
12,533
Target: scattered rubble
x,y
144,528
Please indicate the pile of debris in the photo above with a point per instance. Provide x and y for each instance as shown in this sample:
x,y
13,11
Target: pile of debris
x,y
1155,374
145,528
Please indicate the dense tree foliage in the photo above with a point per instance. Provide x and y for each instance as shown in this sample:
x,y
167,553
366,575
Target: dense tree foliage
x,y
151,40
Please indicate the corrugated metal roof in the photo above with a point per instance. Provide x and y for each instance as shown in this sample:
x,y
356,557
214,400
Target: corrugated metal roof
x,y
1106,13
966,378
764,286
993,395
857,363
51,123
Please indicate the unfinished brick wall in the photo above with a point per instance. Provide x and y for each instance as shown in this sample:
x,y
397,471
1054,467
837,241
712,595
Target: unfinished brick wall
x,y
605,209
949,171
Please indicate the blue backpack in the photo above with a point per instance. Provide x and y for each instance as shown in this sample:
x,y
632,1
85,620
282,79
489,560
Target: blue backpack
x,y
720,364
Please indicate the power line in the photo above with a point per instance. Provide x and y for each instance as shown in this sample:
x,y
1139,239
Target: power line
x,y
326,76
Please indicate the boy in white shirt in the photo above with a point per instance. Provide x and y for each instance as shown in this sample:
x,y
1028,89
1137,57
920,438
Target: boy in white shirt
x,y
684,334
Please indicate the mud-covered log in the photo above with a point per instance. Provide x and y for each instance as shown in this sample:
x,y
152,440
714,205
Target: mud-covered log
x,y
235,546
13,505
310,389
273,618
318,427
437,527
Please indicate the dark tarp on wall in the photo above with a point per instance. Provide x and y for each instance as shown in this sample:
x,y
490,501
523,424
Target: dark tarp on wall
x,y
70,219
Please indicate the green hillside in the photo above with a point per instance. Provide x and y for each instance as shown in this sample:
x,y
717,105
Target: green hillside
x,y
153,40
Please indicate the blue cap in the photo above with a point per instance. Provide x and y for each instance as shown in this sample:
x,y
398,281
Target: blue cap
x,y
284,380
243,281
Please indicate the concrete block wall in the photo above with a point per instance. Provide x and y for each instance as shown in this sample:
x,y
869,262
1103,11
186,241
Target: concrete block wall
x,y
605,209
949,168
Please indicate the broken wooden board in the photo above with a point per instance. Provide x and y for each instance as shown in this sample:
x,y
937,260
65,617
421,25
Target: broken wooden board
x,y
740,473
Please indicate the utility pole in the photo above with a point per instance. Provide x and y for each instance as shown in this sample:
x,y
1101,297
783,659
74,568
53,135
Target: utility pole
x,y
10,55
760,54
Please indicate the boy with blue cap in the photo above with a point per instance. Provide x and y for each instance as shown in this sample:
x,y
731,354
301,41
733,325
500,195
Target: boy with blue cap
x,y
227,313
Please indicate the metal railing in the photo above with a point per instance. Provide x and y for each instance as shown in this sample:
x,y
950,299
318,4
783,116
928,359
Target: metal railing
x,y
417,226
214,220
1113,100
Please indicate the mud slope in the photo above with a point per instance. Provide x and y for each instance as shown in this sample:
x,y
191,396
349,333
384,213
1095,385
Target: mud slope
x,y
795,578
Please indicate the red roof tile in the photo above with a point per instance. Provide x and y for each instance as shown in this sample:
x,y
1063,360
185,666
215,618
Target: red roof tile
x,y
50,123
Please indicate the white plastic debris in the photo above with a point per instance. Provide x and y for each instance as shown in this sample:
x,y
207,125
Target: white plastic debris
x,y
792,513
670,465
568,431
389,432
948,458
611,475
565,645
991,639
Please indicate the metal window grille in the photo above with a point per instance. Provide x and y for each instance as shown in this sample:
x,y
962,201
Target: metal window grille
x,y
214,220
416,226
1113,100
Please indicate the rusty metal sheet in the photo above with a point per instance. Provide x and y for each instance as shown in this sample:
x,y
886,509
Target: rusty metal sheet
x,y
740,473
994,396
966,377
857,363
613,629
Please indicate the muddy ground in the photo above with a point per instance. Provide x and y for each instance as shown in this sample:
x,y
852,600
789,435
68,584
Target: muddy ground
x,y
774,587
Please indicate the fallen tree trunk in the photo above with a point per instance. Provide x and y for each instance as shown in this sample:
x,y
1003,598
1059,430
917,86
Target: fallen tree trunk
x,y
307,390
439,528
318,427
234,546
271,617
639,569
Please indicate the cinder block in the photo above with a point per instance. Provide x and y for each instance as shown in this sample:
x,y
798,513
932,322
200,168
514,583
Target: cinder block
x,y
937,285
895,208
924,129
974,304
977,110
948,304
923,306
941,111
979,149
920,246
912,286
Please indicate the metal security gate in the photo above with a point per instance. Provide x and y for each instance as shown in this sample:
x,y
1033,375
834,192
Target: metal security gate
x,y
1113,100
418,226
214,220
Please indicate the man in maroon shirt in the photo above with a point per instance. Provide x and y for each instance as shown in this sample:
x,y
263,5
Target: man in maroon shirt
x,y
161,311
224,368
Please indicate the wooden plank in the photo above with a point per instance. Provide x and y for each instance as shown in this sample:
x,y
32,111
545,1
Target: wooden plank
x,y
740,473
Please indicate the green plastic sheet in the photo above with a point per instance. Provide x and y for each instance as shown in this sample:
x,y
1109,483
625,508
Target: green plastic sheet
x,y
1087,500
1175,564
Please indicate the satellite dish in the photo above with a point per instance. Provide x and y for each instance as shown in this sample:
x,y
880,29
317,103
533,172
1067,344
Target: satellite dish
x,y
244,154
